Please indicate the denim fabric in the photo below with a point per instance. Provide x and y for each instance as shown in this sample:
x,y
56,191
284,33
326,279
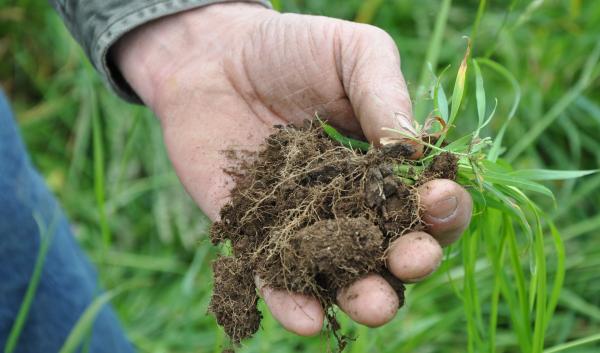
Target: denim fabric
x,y
68,282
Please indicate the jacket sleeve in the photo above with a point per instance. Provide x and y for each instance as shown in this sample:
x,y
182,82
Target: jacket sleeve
x,y
98,24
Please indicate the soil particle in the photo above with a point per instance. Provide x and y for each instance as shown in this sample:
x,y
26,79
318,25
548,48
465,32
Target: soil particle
x,y
310,216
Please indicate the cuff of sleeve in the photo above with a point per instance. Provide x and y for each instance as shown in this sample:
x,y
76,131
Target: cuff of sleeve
x,y
119,26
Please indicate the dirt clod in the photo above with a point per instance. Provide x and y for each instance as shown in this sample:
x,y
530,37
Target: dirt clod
x,y
234,299
325,256
308,215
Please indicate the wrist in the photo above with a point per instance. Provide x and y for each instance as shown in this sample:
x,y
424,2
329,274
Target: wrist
x,y
150,54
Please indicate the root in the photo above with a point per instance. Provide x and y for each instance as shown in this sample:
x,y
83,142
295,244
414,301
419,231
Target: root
x,y
309,216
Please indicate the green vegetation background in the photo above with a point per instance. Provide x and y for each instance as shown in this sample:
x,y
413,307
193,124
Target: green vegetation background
x,y
105,161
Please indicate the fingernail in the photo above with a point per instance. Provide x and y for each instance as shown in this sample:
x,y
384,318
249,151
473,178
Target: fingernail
x,y
444,208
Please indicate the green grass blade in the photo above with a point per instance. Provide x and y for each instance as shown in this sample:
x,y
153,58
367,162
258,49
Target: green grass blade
x,y
588,75
471,298
582,227
587,186
432,56
46,236
546,174
559,276
127,150
479,94
541,320
440,100
367,11
135,261
99,180
82,328
510,78
518,308
343,140
521,183
459,85
495,151
523,303
276,5
495,252
571,300
460,145
478,17
574,344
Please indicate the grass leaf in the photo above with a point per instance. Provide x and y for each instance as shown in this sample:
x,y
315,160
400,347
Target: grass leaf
x,y
588,74
479,94
521,183
46,233
496,149
459,85
574,344
546,174
433,53
439,95
81,329
343,140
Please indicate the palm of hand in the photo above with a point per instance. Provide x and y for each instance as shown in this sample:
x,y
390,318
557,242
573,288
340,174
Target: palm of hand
x,y
207,107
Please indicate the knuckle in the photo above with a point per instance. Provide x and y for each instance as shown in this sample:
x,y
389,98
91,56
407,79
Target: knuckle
x,y
375,34
368,36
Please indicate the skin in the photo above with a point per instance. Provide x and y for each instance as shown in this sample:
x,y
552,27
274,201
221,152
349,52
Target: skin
x,y
221,76
445,203
414,256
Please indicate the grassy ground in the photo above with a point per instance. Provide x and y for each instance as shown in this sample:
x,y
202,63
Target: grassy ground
x,y
105,160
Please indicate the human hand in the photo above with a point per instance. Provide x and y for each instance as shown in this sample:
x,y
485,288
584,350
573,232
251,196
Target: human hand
x,y
221,76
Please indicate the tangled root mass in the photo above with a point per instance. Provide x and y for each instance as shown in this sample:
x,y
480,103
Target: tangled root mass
x,y
308,215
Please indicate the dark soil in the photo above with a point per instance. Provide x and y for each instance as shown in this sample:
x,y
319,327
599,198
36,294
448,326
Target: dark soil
x,y
308,215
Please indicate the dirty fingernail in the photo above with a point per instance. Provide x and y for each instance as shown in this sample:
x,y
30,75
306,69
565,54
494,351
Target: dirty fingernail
x,y
444,208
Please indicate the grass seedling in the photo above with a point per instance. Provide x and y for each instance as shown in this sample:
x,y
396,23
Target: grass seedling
x,y
506,224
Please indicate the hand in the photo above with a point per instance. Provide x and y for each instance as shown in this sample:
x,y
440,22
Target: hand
x,y
221,76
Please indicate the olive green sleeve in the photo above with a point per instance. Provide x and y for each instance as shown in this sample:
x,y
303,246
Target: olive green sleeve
x,y
98,24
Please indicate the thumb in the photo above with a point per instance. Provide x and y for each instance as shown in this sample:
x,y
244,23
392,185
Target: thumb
x,y
369,64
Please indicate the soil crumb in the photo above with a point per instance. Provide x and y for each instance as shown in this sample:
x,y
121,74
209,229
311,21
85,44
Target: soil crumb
x,y
308,215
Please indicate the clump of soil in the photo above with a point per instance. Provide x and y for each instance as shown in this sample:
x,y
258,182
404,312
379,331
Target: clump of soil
x,y
308,215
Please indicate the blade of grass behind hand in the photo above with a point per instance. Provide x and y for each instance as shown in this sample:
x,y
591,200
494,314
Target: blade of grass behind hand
x,y
471,297
46,234
459,90
432,56
522,315
494,152
559,272
573,344
495,249
479,94
82,328
546,174
440,102
98,157
367,11
539,276
588,75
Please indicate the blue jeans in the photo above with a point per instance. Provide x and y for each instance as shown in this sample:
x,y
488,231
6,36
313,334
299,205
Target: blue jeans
x,y
30,217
